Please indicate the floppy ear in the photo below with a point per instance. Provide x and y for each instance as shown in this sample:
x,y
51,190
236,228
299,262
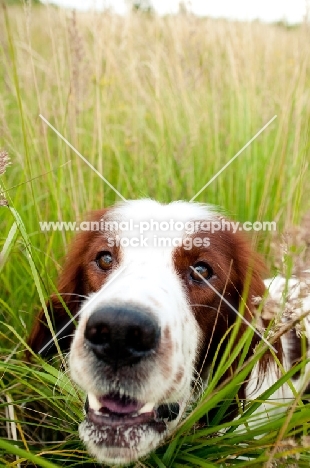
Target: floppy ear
x,y
251,290
70,289
250,270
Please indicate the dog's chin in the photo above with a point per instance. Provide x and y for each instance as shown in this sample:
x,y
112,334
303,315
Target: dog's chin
x,y
120,430
120,445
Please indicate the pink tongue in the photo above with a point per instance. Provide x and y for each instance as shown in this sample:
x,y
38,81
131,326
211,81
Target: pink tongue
x,y
120,405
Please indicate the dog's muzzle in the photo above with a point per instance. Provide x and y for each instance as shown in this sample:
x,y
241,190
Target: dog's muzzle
x,y
121,338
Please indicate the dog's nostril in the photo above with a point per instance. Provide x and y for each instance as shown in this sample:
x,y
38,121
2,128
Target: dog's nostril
x,y
121,336
140,339
98,335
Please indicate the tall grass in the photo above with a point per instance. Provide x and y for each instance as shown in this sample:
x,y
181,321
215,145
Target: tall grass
x,y
158,106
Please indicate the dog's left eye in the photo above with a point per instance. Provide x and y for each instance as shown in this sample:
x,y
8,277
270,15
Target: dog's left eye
x,y
201,269
104,260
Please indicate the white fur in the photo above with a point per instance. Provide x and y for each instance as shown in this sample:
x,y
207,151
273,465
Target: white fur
x,y
281,289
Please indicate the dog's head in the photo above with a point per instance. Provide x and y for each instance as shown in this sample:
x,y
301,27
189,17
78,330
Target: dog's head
x,y
148,322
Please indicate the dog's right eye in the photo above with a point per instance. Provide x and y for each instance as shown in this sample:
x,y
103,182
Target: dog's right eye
x,y
104,260
201,271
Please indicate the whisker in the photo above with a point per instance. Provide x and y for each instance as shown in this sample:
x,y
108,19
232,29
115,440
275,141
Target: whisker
x,y
83,296
207,306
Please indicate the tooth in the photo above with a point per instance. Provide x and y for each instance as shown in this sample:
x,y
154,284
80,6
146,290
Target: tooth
x,y
94,403
147,408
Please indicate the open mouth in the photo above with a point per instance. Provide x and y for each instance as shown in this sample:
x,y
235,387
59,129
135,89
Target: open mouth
x,y
120,429
122,412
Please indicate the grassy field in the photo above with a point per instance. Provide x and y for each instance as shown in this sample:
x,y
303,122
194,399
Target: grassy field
x,y
158,106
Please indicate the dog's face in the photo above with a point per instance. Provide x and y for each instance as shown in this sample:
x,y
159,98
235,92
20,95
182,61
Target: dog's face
x,y
148,324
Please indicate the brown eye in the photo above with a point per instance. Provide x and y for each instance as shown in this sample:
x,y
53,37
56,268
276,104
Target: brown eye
x,y
201,270
104,260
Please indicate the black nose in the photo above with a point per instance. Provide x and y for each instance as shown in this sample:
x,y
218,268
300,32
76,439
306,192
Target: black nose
x,y
121,336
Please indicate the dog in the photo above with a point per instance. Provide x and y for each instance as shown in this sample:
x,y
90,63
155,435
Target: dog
x,y
156,291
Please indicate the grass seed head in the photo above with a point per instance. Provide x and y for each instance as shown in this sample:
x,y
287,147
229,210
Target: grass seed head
x,y
4,161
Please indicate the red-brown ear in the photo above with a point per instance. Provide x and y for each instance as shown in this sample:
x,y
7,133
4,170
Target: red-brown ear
x,y
250,270
72,290
70,296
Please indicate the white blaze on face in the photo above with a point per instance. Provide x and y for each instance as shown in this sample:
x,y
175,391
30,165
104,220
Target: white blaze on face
x,y
149,280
